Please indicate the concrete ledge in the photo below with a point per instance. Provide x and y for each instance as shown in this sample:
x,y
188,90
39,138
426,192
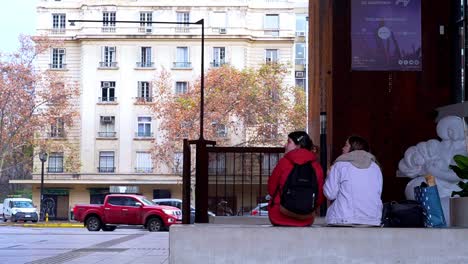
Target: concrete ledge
x,y
211,243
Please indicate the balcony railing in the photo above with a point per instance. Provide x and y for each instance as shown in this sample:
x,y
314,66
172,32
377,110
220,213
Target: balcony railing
x,y
59,66
107,99
106,169
55,134
144,134
184,29
217,63
182,64
58,31
108,64
107,134
145,64
143,99
55,169
110,29
143,170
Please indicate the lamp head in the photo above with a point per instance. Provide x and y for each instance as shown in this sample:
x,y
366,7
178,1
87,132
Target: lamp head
x,y
43,156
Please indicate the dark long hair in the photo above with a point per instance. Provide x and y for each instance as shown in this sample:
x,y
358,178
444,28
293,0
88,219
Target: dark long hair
x,y
302,139
358,143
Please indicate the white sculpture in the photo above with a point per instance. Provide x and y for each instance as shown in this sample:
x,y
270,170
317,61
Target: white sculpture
x,y
434,157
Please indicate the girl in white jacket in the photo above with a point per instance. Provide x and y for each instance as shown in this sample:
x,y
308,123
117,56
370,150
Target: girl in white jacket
x,y
355,186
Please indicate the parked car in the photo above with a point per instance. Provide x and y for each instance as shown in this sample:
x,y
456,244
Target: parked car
x,y
178,203
15,209
126,209
260,210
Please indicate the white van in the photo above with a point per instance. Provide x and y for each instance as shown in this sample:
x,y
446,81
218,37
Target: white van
x,y
15,209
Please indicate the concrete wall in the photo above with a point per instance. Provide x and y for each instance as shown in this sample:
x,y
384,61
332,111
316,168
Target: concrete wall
x,y
210,243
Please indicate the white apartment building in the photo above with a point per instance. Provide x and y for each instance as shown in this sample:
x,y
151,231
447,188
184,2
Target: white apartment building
x,y
113,64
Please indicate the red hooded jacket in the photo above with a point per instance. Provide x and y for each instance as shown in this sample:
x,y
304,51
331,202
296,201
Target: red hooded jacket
x,y
278,178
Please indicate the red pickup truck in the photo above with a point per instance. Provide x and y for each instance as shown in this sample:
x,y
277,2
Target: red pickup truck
x,y
126,209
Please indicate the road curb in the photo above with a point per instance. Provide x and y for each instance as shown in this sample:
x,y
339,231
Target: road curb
x,y
59,225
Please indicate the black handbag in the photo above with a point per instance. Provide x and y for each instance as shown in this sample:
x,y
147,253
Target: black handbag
x,y
406,213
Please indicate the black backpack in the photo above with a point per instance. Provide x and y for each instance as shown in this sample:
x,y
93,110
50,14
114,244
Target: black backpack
x,y
300,192
407,213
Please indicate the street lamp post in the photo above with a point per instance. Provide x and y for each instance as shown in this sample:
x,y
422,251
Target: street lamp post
x,y
43,158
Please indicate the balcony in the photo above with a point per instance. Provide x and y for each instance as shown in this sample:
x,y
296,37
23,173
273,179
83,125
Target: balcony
x,y
182,65
55,169
106,169
107,100
107,134
142,100
143,170
145,64
107,64
144,134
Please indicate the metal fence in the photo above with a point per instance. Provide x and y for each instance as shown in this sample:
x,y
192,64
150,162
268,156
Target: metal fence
x,y
238,178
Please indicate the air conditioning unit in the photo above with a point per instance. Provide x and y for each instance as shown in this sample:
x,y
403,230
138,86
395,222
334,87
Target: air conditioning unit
x,y
106,119
222,31
300,34
299,74
149,30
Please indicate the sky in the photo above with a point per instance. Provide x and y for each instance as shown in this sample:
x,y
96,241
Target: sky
x,y
16,17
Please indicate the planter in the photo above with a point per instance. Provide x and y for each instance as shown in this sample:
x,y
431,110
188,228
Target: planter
x,y
459,211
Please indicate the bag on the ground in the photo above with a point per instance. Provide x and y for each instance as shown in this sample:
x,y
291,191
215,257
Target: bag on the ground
x,y
407,213
300,192
428,197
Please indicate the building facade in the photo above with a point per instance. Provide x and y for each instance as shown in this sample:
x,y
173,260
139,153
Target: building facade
x,y
113,64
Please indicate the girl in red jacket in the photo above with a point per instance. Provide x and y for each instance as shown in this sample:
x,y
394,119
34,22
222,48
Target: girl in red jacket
x,y
298,150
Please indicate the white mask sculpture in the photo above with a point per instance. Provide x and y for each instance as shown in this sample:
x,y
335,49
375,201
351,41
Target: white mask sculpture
x,y
434,157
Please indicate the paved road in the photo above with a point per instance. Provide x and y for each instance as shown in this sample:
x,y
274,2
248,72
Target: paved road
x,y
78,245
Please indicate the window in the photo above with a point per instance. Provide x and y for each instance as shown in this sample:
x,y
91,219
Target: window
x,y
145,58
146,17
144,92
178,162
108,57
221,130
143,162
271,55
218,21
217,163
219,55
108,21
55,162
182,58
58,58
115,201
185,18
269,161
271,25
107,126
300,54
106,161
301,83
58,23
144,126
181,87
57,129
301,25
185,128
107,92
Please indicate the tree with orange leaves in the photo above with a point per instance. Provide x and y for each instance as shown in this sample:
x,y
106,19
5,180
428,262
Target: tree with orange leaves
x,y
30,101
250,107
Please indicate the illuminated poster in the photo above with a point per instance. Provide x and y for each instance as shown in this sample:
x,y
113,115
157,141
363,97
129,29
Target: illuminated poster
x,y
386,35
